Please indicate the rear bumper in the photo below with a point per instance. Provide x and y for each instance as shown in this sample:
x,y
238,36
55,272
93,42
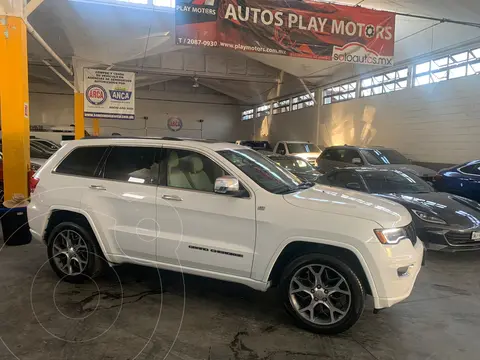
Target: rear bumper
x,y
400,274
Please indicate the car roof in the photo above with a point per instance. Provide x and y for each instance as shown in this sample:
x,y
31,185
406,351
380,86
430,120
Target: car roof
x,y
115,140
358,147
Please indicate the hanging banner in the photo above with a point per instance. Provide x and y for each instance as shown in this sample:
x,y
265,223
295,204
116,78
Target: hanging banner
x,y
309,29
109,94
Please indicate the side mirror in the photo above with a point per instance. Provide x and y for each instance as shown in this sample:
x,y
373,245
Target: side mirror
x,y
228,185
354,186
357,161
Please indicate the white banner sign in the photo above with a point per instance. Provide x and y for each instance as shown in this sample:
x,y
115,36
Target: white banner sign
x,y
109,94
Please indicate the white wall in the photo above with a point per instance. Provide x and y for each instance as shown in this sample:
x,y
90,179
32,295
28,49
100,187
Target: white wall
x,y
51,106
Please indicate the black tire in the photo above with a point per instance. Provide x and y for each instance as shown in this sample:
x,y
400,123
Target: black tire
x,y
357,293
95,259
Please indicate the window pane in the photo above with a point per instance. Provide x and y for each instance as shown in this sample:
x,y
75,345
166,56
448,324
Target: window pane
x,y
458,72
327,100
459,58
439,63
378,90
401,85
474,69
421,68
422,80
190,170
439,76
476,53
132,164
83,161
367,92
367,82
389,87
402,73
390,76
168,3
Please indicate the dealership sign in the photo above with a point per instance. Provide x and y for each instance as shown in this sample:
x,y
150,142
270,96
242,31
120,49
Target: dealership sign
x,y
310,29
174,123
109,94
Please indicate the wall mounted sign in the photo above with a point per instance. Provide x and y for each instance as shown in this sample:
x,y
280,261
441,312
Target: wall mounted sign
x,y
109,94
309,29
174,123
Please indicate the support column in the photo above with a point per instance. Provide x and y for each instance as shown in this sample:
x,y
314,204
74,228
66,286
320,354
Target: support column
x,y
96,127
14,104
79,119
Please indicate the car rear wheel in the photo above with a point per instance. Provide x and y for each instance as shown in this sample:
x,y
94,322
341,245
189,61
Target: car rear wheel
x,y
322,293
73,252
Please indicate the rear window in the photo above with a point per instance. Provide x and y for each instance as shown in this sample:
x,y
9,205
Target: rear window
x,y
83,161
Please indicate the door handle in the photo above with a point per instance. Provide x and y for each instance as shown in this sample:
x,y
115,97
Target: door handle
x,y
172,197
97,187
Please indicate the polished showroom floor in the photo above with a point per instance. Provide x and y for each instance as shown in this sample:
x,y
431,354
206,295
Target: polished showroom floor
x,y
135,314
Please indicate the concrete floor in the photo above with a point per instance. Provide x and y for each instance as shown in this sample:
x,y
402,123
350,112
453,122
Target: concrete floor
x,y
148,317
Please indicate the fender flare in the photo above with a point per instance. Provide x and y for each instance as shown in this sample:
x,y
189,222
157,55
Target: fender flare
x,y
337,244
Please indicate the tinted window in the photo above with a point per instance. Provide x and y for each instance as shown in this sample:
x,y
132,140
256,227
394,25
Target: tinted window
x,y
281,148
263,171
473,169
343,178
298,148
83,161
132,164
350,154
394,181
333,154
384,157
190,170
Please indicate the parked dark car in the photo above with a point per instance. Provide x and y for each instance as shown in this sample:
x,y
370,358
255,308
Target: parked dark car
x,y
255,145
347,156
296,166
463,180
444,222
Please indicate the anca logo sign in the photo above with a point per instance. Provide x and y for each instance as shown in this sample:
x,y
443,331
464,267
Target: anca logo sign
x,y
96,95
120,94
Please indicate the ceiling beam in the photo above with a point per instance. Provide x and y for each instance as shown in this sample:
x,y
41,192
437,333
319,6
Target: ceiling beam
x,y
32,6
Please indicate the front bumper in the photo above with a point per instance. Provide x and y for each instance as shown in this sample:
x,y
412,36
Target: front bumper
x,y
447,240
401,267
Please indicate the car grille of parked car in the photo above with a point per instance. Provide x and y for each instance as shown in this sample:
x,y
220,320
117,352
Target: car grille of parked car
x,y
411,233
459,238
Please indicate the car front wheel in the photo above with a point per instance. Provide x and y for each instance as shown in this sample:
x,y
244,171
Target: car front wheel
x,y
322,293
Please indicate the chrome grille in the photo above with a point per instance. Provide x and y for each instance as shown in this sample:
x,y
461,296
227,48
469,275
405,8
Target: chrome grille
x,y
411,233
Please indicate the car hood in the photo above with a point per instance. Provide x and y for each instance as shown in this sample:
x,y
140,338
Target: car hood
x,y
420,171
345,202
458,212
308,155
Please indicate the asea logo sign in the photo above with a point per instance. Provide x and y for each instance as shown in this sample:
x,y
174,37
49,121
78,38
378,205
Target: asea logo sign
x,y
96,95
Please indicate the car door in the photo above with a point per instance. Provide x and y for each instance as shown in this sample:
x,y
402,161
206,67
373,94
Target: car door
x,y
347,179
123,201
199,228
469,183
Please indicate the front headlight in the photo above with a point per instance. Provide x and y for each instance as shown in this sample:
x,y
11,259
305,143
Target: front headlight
x,y
391,236
429,217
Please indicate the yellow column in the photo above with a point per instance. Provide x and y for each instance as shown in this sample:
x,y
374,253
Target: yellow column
x,y
79,119
14,105
96,127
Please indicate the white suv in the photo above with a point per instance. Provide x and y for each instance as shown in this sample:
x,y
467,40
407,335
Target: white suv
x,y
223,211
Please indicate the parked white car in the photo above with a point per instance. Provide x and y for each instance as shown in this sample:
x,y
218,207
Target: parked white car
x,y
226,212
305,150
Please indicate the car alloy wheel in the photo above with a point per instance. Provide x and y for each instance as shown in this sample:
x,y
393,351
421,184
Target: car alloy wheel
x,y
70,252
320,294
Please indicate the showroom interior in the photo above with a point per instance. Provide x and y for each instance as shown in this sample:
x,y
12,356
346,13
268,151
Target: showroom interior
x,y
424,105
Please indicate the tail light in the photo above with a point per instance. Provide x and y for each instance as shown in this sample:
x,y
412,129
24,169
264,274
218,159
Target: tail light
x,y
33,184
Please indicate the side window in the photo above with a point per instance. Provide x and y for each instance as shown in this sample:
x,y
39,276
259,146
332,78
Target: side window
x,y
281,149
335,154
344,178
132,164
190,170
350,155
473,169
83,161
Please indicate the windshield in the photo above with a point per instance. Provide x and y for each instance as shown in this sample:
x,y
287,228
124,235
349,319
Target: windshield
x,y
263,171
386,182
294,164
263,145
384,157
298,148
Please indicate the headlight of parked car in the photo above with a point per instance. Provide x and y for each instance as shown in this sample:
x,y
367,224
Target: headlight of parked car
x,y
391,236
429,217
